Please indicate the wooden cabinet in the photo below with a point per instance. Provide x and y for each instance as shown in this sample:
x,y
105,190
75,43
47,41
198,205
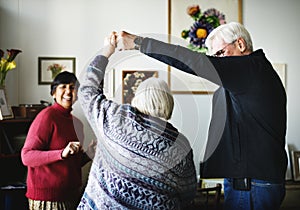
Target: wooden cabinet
x,y
13,173
12,135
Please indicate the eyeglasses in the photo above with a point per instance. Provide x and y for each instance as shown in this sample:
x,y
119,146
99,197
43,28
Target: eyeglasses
x,y
221,52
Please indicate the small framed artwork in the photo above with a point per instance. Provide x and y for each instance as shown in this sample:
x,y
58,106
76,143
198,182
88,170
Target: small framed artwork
x,y
131,80
49,67
295,165
280,69
109,84
184,83
5,110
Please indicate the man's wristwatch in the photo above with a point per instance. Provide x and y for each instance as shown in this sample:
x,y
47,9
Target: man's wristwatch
x,y
138,42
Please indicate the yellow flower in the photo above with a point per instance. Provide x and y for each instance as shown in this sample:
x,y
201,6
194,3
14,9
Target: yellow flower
x,y
7,64
201,33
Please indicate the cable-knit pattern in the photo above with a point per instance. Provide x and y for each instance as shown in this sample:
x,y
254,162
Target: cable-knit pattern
x,y
141,162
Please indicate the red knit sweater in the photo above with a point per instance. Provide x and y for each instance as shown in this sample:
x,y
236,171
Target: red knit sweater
x,y
51,178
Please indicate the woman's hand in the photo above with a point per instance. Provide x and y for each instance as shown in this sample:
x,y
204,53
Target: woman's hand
x,y
72,148
110,44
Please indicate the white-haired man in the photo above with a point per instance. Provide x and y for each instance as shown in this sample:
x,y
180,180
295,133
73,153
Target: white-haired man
x,y
246,141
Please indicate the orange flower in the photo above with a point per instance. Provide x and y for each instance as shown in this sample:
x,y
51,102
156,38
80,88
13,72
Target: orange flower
x,y
193,10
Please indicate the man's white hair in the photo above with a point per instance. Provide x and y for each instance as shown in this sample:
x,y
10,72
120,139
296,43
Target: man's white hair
x,y
229,33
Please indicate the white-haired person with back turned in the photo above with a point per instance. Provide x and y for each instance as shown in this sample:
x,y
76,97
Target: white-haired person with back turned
x,y
246,139
141,160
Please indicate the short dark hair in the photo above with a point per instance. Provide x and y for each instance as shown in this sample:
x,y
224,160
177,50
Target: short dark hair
x,y
64,77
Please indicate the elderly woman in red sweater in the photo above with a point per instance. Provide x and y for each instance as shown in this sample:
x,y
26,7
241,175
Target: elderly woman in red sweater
x,y
53,150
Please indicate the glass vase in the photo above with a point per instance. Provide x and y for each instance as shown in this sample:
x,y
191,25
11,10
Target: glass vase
x,y
2,79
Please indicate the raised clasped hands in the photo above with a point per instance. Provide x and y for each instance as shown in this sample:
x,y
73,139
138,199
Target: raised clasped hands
x,y
126,41
110,44
120,41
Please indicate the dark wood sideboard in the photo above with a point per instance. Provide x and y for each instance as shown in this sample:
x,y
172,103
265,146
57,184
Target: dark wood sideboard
x,y
13,173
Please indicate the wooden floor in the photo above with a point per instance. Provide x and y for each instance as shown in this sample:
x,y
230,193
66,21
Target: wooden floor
x,y
291,200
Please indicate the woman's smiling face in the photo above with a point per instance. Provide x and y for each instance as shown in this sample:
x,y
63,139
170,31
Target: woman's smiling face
x,y
65,95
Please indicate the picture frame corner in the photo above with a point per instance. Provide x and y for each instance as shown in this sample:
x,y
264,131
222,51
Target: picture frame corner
x,y
295,165
5,110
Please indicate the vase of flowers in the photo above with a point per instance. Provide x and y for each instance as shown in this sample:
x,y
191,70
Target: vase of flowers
x,y
204,23
7,64
55,69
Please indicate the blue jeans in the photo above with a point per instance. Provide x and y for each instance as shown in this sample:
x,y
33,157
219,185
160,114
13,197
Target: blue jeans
x,y
262,196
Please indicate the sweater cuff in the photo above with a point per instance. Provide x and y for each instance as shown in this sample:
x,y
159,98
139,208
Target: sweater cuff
x,y
61,157
144,44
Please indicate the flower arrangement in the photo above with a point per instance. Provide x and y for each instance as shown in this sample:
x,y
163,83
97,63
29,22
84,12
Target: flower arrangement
x,y
204,23
55,69
7,63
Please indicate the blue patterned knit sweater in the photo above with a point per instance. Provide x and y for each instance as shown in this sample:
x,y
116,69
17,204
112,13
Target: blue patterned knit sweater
x,y
141,162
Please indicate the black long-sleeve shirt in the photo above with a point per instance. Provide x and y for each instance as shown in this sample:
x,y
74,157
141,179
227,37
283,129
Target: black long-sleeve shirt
x,y
248,124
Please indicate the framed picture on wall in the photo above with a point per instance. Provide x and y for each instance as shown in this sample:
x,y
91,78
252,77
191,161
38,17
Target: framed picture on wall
x,y
280,69
5,110
109,83
295,165
178,21
49,67
131,80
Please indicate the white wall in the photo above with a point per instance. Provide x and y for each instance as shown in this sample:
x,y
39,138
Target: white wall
x,y
77,28
68,28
